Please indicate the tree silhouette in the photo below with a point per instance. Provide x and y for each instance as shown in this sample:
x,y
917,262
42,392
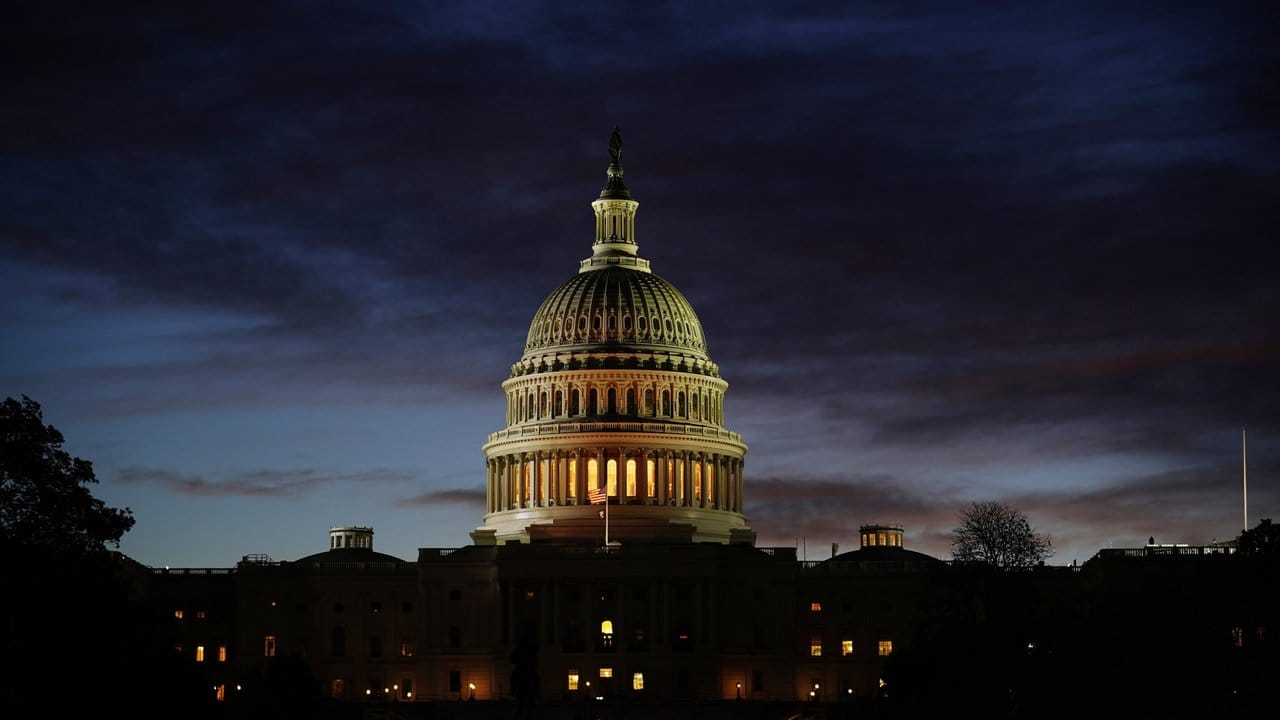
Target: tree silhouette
x,y
45,502
998,535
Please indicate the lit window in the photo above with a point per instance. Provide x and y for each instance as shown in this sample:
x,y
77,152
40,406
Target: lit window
x,y
406,648
573,679
846,647
530,595
199,653
177,614
815,607
637,681
1237,636
222,653
886,647
606,672
815,647
199,614
269,646
606,633
337,687
219,692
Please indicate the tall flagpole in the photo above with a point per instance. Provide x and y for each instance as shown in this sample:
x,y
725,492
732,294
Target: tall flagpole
x,y
1244,471
606,515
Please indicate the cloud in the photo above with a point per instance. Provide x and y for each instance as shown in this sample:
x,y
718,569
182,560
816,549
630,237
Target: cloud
x,y
255,483
469,497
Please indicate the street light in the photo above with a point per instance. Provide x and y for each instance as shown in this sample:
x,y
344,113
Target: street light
x,y
739,691
472,688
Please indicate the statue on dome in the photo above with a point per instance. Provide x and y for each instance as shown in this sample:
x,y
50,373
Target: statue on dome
x,y
615,145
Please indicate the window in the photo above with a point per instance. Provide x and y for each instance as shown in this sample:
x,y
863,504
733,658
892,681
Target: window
x,y
406,688
1237,637
199,653
375,646
606,633
757,681
846,647
455,681
200,615
406,607
815,607
337,687
406,647
606,672
455,636
886,647
815,646
455,595
220,692
177,614
339,607
269,646
573,679
637,681
338,642
530,595
222,653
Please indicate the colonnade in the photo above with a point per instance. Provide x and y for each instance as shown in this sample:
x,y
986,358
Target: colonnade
x,y
655,399
679,478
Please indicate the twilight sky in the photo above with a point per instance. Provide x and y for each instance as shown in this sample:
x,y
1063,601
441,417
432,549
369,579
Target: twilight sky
x,y
267,264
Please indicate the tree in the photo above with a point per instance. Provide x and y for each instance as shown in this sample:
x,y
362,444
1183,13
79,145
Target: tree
x,y
45,502
1262,540
998,535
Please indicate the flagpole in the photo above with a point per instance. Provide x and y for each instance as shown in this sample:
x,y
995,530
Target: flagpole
x,y
1244,470
606,516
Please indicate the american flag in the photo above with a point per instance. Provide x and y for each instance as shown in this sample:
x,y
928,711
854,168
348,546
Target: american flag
x,y
598,496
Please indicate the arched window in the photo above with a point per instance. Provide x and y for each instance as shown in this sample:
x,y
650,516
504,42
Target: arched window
x,y
542,404
693,400
592,402
574,402
648,401
613,401
631,477
666,403
527,473
559,406
651,479
697,481
338,642
630,409
680,411
612,476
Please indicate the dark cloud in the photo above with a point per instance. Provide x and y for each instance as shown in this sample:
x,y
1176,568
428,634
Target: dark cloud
x,y
255,483
471,497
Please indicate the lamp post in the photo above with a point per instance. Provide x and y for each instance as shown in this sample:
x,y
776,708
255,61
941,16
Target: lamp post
x,y
739,691
472,687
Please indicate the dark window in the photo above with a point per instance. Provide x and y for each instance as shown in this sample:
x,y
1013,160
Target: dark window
x,y
455,594
757,681
638,595
375,646
338,642
300,607
338,607
757,594
406,606
455,636
757,636
455,681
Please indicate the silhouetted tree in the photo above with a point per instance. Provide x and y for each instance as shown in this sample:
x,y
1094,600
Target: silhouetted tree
x,y
68,596
1263,540
45,502
998,535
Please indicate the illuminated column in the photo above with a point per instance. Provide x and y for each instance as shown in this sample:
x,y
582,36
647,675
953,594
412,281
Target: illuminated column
x,y
523,476
703,483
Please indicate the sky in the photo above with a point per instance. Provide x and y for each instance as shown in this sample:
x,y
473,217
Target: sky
x,y
266,264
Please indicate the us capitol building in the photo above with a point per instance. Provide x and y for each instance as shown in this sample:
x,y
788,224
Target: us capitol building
x,y
614,561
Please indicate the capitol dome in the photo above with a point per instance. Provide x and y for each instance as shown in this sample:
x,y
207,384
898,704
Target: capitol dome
x,y
618,309
615,396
